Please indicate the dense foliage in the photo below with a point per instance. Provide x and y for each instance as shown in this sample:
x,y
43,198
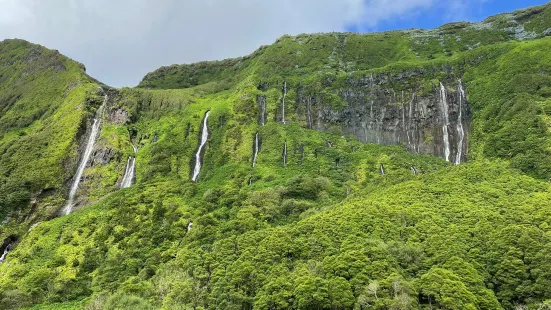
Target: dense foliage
x,y
338,224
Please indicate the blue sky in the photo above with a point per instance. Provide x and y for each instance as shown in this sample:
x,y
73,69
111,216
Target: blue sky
x,y
437,15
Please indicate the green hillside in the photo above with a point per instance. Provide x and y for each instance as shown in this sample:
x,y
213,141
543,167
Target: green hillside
x,y
292,208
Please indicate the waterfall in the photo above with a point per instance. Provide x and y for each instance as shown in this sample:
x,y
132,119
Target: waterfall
x,y
189,226
410,119
460,129
94,134
309,112
262,106
413,170
285,154
444,104
130,171
283,102
256,148
6,251
204,138
382,169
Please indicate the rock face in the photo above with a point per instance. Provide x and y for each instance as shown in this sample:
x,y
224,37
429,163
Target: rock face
x,y
432,121
102,156
118,116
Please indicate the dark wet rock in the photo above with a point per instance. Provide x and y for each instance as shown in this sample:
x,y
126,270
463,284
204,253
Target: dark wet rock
x,y
118,116
102,156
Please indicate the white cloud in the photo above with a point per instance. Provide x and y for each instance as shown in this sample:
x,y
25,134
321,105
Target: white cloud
x,y
119,41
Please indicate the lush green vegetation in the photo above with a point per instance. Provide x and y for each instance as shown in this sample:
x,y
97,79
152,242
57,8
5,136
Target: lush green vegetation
x,y
326,230
44,99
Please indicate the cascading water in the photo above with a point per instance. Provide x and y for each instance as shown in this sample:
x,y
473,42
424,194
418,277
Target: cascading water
x,y
130,171
382,169
204,138
283,102
6,251
262,111
410,123
444,106
189,226
285,154
460,129
413,170
256,148
94,134
308,112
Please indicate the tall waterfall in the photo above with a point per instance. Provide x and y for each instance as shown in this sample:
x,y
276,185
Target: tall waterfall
x,y
256,148
460,129
444,105
285,154
283,102
382,169
94,134
204,138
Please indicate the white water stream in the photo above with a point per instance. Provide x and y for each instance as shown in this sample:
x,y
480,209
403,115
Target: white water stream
x,y
94,134
204,138
460,129
444,106
256,147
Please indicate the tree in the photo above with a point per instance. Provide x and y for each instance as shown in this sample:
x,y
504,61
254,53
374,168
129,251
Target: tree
x,y
444,288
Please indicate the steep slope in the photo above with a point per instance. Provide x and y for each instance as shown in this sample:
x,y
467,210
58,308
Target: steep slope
x,y
258,183
44,101
385,88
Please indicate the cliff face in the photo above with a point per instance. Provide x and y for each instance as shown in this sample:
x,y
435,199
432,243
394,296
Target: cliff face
x,y
436,123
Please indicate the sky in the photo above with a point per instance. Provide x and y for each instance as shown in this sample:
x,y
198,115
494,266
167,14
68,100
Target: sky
x,y
119,41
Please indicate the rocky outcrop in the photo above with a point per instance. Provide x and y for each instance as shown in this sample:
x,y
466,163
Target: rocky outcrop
x,y
432,119
102,156
118,116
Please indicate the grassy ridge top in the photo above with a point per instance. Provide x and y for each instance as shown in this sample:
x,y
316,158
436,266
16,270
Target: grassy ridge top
x,y
350,52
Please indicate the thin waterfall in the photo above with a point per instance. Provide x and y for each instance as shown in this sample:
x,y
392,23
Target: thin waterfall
x,y
130,172
256,148
410,119
285,154
283,102
413,170
382,169
94,134
460,129
6,251
444,104
189,226
204,138
262,106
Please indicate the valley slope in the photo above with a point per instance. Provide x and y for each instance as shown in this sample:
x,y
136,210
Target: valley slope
x,y
397,170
